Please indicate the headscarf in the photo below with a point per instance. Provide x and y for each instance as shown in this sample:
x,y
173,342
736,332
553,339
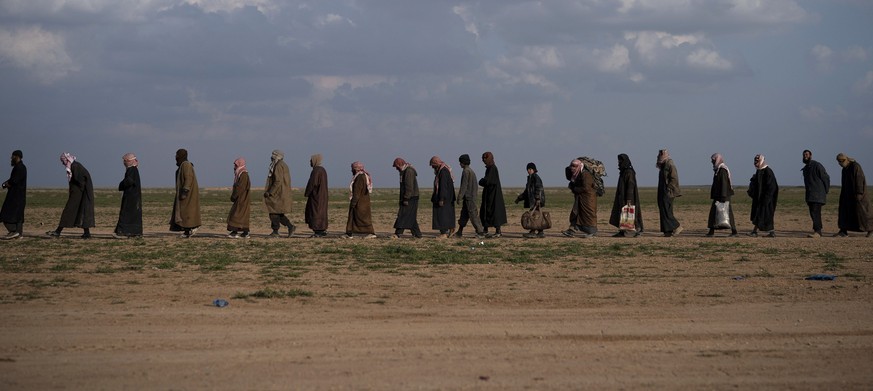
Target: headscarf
x,y
358,168
315,160
274,159
844,160
130,160
531,166
400,164
67,160
576,165
624,162
488,159
239,167
440,164
663,156
464,159
719,163
759,162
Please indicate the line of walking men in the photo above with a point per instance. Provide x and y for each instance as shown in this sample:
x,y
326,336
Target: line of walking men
x,y
855,213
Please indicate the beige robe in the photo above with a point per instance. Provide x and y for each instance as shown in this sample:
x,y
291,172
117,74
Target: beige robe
x,y
186,213
240,212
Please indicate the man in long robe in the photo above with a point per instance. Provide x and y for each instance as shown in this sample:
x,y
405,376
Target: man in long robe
x,y
186,203
130,216
12,213
817,184
79,210
277,194
316,194
468,192
764,191
493,211
855,212
239,217
583,216
626,193
668,191
360,219
443,198
407,212
721,191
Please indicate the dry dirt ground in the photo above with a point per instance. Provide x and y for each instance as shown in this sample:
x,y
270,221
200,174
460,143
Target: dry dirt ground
x,y
684,313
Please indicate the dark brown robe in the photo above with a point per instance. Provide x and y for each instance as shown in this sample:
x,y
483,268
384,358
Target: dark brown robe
x,y
79,210
492,211
584,212
626,190
316,195
240,212
443,190
360,216
854,214
407,215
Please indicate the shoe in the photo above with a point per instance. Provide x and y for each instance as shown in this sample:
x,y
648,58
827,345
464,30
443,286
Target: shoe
x,y
669,234
193,231
814,235
117,235
620,234
637,234
772,234
185,235
233,235
54,234
86,236
841,234
347,236
753,234
529,235
12,235
585,236
541,235
451,232
493,236
709,235
569,233
274,234
394,236
480,235
734,234
371,236
677,231
291,230
317,235
458,235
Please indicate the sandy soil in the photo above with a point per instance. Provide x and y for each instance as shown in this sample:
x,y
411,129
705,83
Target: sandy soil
x,y
736,315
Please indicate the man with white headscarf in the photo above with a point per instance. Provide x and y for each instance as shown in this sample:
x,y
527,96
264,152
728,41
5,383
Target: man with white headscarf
x,y
668,190
130,216
583,216
240,212
360,219
277,194
721,191
764,191
79,210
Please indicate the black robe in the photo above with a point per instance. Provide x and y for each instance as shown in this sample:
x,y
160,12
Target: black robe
x,y
668,189
316,193
626,190
492,211
79,210
407,215
16,195
443,190
855,215
130,216
721,191
764,192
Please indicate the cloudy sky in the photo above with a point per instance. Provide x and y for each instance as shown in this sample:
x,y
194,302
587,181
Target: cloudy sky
x,y
540,81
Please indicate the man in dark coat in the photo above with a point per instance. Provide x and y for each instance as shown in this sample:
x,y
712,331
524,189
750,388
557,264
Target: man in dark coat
x,y
130,216
79,210
493,208
626,193
316,193
12,213
468,192
668,190
855,213
443,198
721,191
765,193
186,203
533,196
407,214
817,183
583,216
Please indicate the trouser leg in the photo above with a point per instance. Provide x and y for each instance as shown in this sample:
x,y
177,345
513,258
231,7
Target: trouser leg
x,y
815,214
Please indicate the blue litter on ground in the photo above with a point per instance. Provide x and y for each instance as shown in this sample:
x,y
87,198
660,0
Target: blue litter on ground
x,y
220,303
821,277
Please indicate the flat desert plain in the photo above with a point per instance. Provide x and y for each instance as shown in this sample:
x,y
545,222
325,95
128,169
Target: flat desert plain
x,y
681,313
